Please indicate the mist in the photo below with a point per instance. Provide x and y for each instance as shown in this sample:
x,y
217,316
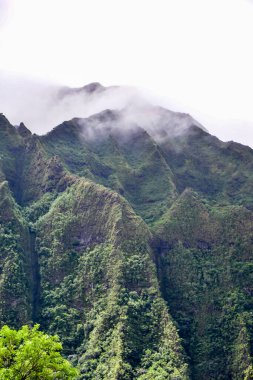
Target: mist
x,y
42,106
197,68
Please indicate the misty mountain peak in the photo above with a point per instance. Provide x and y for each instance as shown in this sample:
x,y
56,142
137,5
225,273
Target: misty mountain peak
x,y
23,130
107,115
93,87
88,89
51,105
3,119
5,126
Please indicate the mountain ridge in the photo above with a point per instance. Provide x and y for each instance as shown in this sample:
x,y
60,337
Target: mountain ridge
x,y
137,252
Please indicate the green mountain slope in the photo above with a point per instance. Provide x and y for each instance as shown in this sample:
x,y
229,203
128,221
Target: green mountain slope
x,y
219,171
134,246
99,287
129,162
15,269
206,272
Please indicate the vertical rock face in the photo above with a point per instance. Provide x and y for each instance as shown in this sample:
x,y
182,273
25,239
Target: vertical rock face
x,y
15,275
135,249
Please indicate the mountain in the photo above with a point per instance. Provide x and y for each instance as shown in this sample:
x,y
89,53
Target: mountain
x,y
129,234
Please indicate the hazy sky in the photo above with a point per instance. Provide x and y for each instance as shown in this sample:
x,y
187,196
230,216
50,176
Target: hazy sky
x,y
194,55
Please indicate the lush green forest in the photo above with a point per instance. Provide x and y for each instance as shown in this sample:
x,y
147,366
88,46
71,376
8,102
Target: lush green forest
x,y
29,354
136,251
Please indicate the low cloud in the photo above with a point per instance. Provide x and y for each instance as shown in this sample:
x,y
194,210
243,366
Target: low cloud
x,y
4,7
42,107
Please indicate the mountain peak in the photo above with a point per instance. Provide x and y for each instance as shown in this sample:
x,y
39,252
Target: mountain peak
x,y
6,127
92,87
23,130
106,115
3,119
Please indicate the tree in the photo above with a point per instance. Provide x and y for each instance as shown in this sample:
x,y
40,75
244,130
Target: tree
x,y
31,354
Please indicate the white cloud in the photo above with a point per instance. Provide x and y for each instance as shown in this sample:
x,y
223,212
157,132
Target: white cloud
x,y
196,55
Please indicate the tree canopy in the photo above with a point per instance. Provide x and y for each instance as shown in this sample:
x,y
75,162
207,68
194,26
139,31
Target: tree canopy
x,y
31,354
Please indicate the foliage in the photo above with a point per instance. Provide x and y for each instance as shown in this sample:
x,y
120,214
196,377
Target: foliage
x,y
134,167
108,285
15,284
207,277
30,354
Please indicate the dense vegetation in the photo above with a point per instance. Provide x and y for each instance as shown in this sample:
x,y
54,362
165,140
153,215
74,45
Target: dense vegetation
x,y
28,354
136,251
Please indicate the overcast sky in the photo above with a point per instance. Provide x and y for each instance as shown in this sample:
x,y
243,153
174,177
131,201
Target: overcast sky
x,y
194,55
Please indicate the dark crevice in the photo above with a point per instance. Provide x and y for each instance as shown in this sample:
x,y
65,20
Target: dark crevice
x,y
35,276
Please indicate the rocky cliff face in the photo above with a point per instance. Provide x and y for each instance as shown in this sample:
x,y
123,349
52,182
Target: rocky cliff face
x,y
133,243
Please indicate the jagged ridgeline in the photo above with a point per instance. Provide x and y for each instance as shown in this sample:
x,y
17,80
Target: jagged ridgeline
x,y
133,244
